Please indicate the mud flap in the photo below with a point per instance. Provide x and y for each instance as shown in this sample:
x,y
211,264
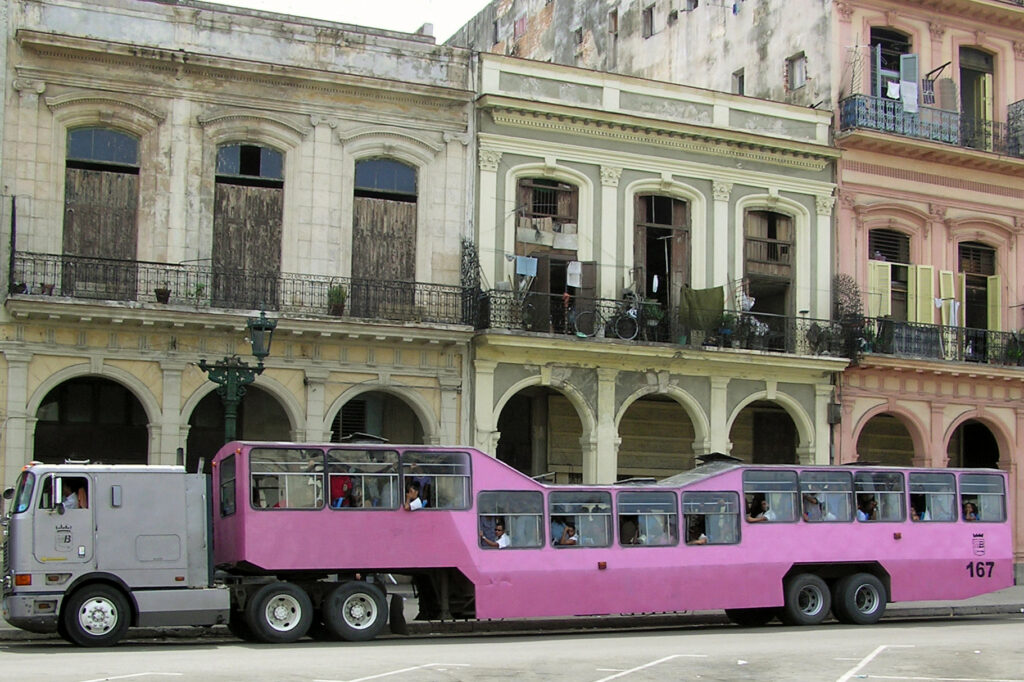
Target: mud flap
x,y
396,615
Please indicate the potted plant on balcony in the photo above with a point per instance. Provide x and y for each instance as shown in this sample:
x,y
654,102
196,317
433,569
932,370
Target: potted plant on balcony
x,y
336,295
162,293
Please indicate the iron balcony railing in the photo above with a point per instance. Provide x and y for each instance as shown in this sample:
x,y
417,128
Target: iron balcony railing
x,y
941,342
604,318
938,125
202,286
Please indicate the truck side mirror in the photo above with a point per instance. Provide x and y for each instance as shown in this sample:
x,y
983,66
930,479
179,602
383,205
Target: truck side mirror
x,y
9,494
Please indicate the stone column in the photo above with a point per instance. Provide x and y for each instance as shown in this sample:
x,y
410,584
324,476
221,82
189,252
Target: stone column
x,y
448,431
606,461
317,429
17,448
937,457
485,436
487,227
820,300
167,433
822,429
718,415
607,248
719,242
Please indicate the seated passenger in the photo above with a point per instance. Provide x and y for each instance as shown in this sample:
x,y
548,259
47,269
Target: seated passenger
x,y
501,540
760,512
970,511
867,509
341,487
695,530
569,536
812,508
412,497
629,531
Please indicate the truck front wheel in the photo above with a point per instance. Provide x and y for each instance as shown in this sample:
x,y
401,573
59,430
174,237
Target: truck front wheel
x,y
356,611
279,613
96,615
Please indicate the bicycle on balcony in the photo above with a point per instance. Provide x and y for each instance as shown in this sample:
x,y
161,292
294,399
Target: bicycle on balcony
x,y
622,322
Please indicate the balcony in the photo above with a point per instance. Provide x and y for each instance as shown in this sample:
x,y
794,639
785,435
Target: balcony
x,y
650,323
863,112
939,342
199,286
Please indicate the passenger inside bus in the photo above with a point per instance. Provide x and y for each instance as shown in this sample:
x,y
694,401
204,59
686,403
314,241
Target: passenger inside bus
x,y
695,528
629,530
412,497
569,536
970,511
812,508
867,507
759,511
500,541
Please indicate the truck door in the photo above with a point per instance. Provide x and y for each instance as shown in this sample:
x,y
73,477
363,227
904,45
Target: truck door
x,y
63,526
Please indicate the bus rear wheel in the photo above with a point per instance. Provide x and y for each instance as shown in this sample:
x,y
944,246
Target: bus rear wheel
x,y
859,599
96,615
279,613
356,611
751,618
807,600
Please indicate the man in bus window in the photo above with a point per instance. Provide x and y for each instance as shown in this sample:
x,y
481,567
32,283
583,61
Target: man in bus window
x,y
569,536
501,541
867,508
412,497
812,508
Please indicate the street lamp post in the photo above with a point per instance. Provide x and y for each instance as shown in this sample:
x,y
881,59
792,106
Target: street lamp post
x,y
232,374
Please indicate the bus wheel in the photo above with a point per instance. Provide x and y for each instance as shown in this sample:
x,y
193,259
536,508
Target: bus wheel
x,y
96,615
356,611
751,618
279,613
807,600
859,599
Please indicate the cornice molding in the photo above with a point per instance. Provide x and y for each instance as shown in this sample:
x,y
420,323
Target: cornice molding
x,y
99,100
234,115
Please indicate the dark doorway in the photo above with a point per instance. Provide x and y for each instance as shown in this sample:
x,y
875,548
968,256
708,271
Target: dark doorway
x,y
260,417
973,446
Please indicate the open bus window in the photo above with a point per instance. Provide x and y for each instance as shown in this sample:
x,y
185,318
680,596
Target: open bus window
x,y
23,492
932,496
362,479
443,478
771,495
586,513
711,518
985,492
648,518
826,496
226,475
879,495
286,478
520,513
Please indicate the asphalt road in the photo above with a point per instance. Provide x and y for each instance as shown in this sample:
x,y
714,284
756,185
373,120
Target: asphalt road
x,y
967,649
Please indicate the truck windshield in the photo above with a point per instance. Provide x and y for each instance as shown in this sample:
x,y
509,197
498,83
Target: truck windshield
x,y
23,492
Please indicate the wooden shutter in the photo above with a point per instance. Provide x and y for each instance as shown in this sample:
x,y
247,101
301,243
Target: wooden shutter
x,y
921,294
879,288
640,244
384,239
246,256
995,303
100,213
961,297
947,294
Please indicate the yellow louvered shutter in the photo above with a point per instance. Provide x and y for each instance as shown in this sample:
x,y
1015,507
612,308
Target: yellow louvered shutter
x,y
946,293
961,298
879,288
923,309
995,303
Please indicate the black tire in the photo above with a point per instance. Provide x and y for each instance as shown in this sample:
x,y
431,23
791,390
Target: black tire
x,y
239,628
586,323
807,600
356,611
626,327
96,615
859,599
751,618
279,613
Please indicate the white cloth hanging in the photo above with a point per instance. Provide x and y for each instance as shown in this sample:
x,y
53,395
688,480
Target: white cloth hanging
x,y
574,274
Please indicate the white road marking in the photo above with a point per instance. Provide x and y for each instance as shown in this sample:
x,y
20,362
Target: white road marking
x,y
646,665
398,672
870,657
939,679
126,677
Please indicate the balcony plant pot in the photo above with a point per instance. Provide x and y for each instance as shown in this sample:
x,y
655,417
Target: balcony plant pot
x,y
46,289
336,296
19,288
163,294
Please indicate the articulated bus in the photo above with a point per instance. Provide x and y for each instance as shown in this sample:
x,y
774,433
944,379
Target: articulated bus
x,y
304,534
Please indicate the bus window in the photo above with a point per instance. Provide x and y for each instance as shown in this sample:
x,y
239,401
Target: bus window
x,y
985,492
362,478
286,478
226,474
778,490
826,495
647,518
932,496
588,513
521,514
879,495
23,492
711,518
443,478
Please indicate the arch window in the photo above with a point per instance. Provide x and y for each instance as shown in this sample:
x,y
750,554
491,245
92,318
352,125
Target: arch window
x,y
248,164
768,258
385,179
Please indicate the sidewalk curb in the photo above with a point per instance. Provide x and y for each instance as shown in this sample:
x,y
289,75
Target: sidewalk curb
x,y
9,634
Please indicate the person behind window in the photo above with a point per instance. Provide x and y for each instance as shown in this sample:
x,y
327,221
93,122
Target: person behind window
x,y
867,509
569,536
760,512
695,528
970,511
629,531
500,541
812,508
412,497
69,494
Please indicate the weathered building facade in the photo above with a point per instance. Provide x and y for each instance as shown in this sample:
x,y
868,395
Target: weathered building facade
x,y
169,169
611,213
928,99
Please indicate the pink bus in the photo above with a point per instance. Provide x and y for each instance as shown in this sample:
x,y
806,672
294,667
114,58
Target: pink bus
x,y
305,533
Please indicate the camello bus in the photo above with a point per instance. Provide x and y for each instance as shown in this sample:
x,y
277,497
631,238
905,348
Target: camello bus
x,y
284,538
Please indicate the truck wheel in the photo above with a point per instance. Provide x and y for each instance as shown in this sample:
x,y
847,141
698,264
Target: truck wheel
x,y
751,618
96,615
807,600
279,613
859,599
356,611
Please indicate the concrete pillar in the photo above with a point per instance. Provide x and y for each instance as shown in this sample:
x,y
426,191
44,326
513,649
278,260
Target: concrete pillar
x,y
821,300
448,419
485,436
608,245
167,432
317,428
719,241
17,446
487,235
939,458
718,415
606,464
822,430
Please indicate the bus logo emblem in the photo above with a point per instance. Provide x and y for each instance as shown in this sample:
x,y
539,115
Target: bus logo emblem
x,y
979,544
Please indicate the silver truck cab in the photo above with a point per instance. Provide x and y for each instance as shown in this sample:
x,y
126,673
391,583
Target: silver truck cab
x,y
91,549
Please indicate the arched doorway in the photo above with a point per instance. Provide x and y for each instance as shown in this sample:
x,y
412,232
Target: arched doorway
x,y
91,418
656,439
973,445
540,435
378,414
885,440
764,433
260,417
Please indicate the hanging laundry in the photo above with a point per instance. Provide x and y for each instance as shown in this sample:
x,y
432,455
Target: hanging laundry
x,y
574,274
654,284
892,90
526,265
908,92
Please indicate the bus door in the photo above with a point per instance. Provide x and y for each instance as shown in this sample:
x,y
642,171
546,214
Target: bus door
x,y
63,522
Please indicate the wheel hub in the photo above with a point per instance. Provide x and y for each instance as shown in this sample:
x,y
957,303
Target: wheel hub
x,y
98,616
